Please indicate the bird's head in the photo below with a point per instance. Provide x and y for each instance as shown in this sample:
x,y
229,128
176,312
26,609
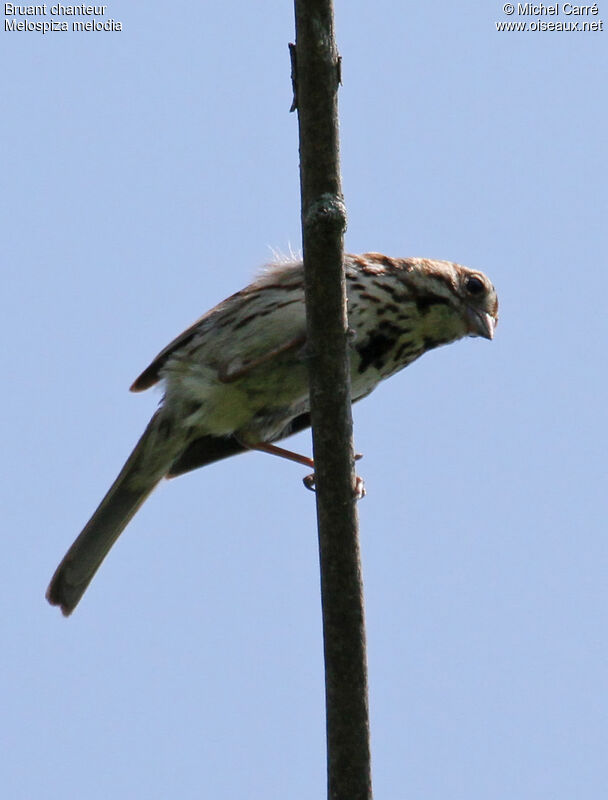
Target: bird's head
x,y
478,298
456,301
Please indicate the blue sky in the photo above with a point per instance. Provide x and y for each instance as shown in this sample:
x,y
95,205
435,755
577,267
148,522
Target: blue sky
x,y
146,175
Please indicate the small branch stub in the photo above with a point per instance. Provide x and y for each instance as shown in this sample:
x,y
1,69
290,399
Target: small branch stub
x,y
294,76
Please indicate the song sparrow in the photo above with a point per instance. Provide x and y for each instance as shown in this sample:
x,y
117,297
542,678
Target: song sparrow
x,y
237,378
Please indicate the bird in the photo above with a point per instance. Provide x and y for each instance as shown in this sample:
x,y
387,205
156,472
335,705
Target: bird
x,y
237,380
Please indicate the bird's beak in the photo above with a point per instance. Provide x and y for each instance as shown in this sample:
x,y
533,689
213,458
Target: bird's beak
x,y
480,323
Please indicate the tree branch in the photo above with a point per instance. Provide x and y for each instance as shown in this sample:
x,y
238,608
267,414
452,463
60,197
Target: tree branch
x,y
316,77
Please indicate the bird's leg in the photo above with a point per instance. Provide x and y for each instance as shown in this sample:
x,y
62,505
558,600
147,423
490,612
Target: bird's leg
x,y
266,447
309,480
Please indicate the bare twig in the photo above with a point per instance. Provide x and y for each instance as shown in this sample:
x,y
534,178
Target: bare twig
x,y
316,75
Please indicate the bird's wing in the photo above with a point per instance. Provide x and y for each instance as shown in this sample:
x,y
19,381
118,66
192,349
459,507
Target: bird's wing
x,y
151,374
242,333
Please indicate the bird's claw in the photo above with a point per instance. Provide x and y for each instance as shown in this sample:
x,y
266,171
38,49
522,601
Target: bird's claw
x,y
359,489
309,482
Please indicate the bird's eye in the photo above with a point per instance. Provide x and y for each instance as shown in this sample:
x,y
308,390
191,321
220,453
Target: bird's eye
x,y
474,285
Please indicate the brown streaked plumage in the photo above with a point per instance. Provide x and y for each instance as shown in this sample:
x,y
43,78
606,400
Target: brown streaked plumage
x,y
237,379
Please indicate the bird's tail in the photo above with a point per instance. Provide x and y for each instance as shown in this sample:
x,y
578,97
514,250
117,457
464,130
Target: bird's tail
x,y
145,467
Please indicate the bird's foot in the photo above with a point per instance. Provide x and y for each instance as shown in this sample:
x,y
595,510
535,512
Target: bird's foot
x,y
309,482
358,490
